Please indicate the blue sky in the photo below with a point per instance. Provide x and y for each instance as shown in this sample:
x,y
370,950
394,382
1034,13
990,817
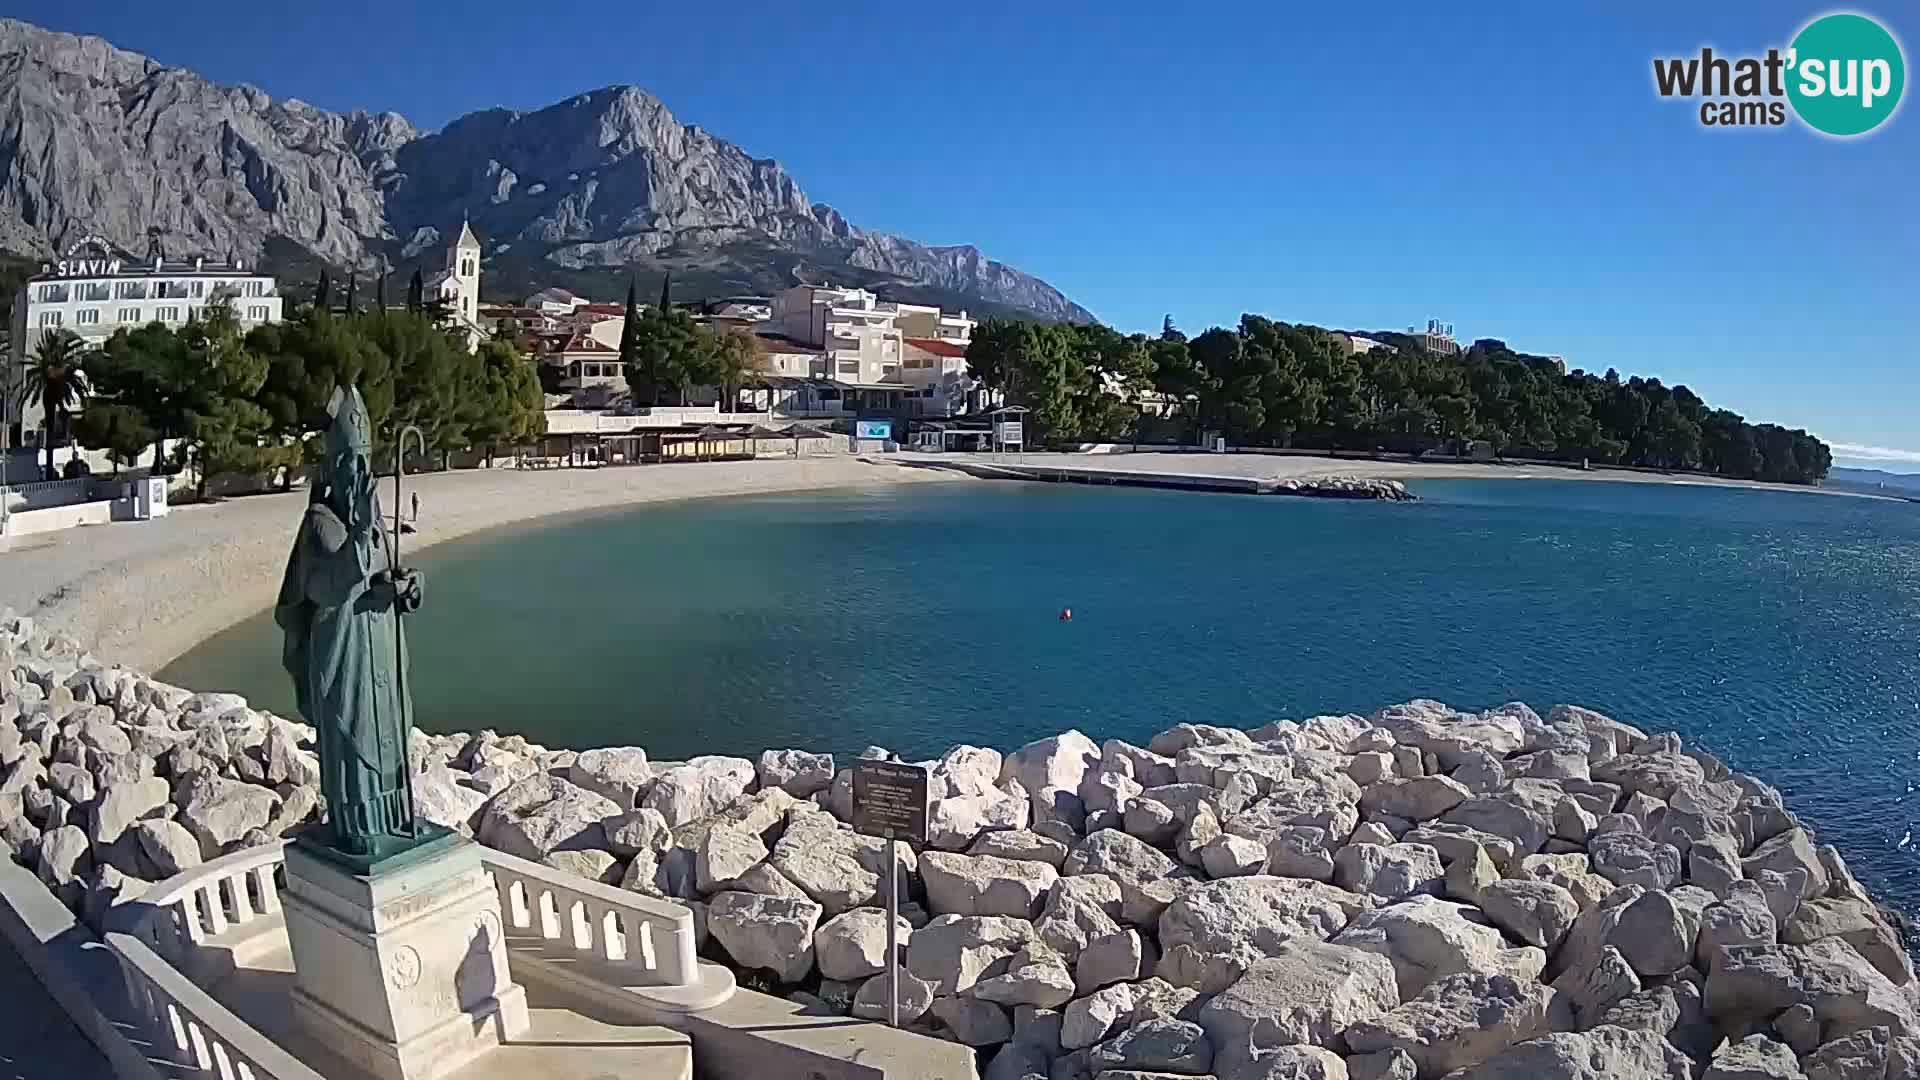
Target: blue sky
x,y
1365,166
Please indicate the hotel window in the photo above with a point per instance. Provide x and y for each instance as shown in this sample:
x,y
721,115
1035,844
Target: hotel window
x,y
199,289
49,318
129,314
87,317
257,312
167,314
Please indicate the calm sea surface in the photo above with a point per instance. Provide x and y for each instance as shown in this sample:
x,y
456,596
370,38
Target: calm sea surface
x,y
1780,631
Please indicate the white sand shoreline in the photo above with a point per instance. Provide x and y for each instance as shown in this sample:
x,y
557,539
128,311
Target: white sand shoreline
x,y
144,594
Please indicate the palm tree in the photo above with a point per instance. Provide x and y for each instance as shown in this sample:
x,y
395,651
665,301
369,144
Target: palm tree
x,y
55,381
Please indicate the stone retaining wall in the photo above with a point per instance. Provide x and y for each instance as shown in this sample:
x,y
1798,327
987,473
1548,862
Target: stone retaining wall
x,y
1420,893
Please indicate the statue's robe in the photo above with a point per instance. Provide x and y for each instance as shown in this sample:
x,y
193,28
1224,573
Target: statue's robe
x,y
344,652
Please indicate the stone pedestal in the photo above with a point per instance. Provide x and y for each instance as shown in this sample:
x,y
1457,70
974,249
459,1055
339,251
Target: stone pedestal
x,y
400,968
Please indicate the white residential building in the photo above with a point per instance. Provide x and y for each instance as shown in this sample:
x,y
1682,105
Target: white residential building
x,y
555,301
93,291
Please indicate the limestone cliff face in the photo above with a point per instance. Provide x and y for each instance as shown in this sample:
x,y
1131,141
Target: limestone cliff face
x,y
99,140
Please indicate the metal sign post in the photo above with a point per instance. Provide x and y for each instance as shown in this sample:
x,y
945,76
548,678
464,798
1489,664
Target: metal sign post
x,y
890,802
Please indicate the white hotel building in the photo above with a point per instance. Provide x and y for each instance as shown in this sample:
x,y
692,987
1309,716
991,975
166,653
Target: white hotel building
x,y
95,295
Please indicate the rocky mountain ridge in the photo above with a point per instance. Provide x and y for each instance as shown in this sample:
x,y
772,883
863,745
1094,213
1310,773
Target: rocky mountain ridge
x,y
99,141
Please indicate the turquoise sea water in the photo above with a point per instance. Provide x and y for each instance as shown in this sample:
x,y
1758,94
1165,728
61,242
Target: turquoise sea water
x,y
1780,631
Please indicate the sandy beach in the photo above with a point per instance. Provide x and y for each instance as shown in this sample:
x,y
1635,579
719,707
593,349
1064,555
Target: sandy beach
x,y
141,594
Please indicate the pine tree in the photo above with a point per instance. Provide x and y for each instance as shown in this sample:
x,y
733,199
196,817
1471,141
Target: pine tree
x,y
380,294
323,292
352,280
666,292
416,293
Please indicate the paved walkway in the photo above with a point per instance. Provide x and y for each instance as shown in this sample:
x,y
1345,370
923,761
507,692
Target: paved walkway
x,y
37,1041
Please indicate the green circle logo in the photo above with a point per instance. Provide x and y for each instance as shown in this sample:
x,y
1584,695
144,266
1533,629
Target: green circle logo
x,y
1845,74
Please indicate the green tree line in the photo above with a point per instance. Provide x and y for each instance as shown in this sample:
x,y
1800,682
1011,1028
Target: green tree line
x,y
1270,383
665,354
255,402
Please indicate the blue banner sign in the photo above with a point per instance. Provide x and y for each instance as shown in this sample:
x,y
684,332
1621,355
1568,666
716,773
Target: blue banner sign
x,y
873,429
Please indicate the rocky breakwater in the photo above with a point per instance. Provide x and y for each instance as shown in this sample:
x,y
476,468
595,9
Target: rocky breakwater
x,y
1418,894
1345,487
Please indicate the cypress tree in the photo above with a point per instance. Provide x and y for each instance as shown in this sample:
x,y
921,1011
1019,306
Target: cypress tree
x,y
666,290
380,294
352,279
416,293
323,292
639,376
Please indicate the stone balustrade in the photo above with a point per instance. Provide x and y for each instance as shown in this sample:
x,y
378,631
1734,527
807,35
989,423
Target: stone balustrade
x,y
647,942
190,1029
228,898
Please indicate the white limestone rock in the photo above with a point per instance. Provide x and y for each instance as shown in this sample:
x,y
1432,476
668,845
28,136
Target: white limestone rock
x,y
1605,1053
1790,851
984,884
853,945
1299,851
1755,1057
1227,855
1308,992
1427,939
1388,872
1035,976
1459,1021
1122,956
65,856
1147,878
543,814
1420,799
1656,933
1629,859
219,812
1455,842
619,773
1536,912
723,855
954,952
955,821
825,861
1097,1016
1147,768
699,788
1740,918
765,932
1860,926
1165,1046
1058,762
167,845
1023,844
1079,910
972,1021
796,772
916,998
1212,932
440,797
593,865
1469,876
124,804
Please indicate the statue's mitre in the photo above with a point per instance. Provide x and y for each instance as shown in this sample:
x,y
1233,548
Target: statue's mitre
x,y
351,428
